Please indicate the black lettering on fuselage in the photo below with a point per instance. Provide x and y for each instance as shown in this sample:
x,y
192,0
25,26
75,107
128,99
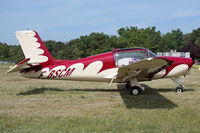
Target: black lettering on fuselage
x,y
61,73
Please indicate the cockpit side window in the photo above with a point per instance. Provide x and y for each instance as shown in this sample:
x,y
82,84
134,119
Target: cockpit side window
x,y
124,58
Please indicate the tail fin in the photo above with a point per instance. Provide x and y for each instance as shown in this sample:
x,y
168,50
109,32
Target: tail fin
x,y
34,48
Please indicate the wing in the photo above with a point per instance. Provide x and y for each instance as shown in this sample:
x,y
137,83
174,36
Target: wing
x,y
142,70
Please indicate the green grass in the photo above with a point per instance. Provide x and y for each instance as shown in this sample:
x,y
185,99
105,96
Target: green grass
x,y
30,105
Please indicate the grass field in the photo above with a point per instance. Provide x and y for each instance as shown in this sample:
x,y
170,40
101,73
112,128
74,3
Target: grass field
x,y
30,105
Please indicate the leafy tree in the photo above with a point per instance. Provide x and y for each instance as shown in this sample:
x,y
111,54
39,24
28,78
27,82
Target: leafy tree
x,y
4,51
187,38
193,49
192,44
96,43
173,40
195,36
54,47
134,37
15,53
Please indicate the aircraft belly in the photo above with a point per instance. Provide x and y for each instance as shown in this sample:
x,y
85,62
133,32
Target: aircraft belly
x,y
31,74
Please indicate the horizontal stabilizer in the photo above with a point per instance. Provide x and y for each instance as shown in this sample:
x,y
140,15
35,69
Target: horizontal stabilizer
x,y
22,66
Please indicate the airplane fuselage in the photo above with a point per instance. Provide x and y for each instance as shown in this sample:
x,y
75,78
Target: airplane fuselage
x,y
126,65
104,68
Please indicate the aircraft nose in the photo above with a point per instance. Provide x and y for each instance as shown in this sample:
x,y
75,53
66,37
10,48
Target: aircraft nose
x,y
180,61
180,66
187,61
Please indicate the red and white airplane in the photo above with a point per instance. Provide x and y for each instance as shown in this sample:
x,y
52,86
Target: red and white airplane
x,y
126,65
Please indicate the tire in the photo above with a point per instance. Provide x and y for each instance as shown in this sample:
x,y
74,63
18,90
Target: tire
x,y
135,90
179,89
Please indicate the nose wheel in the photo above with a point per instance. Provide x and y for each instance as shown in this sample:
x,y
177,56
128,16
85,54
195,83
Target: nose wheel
x,y
179,89
179,81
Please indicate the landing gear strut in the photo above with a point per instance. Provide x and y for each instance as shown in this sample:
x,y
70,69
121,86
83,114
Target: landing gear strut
x,y
134,87
180,88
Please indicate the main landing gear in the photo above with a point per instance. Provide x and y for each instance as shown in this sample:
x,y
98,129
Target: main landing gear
x,y
180,88
134,87
135,90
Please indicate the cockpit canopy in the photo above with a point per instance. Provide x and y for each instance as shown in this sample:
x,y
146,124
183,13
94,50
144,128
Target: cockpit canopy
x,y
128,56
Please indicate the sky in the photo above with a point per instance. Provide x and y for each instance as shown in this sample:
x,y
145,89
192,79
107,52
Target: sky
x,y
63,20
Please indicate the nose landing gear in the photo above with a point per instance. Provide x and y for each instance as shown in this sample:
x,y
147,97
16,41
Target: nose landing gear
x,y
179,89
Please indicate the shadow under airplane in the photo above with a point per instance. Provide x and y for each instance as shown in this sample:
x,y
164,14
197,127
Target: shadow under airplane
x,y
150,98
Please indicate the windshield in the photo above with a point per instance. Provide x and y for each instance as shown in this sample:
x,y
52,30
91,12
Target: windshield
x,y
128,57
151,54
123,58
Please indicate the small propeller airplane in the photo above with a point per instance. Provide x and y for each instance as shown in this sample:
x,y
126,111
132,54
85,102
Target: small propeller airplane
x,y
124,65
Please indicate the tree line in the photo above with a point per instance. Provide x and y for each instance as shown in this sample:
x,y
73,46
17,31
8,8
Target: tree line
x,y
96,43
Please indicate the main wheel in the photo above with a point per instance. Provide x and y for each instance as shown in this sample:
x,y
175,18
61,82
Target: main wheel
x,y
135,90
179,89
